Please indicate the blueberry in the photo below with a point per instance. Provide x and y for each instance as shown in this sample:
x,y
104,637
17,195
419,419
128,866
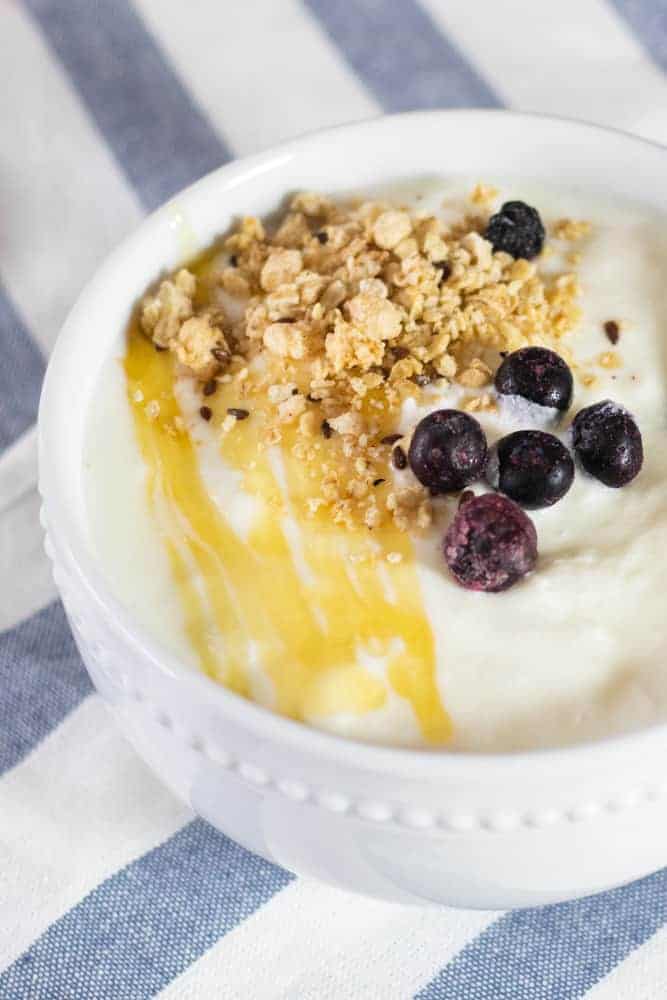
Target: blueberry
x,y
447,451
490,543
533,468
517,229
608,443
536,374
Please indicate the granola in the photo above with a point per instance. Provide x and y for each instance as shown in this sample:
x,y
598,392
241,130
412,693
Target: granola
x,y
346,309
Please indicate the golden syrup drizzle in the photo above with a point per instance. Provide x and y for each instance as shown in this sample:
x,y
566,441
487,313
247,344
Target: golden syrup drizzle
x,y
306,630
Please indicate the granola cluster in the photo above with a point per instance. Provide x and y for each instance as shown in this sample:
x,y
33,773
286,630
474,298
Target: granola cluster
x,y
342,311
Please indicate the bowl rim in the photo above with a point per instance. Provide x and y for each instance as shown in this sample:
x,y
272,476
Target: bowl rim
x,y
415,761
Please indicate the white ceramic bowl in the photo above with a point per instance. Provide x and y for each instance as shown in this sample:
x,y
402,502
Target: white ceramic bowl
x,y
460,829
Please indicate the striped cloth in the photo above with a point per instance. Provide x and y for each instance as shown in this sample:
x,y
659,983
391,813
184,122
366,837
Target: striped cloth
x,y
109,888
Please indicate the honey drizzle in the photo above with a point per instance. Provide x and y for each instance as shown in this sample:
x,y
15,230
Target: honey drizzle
x,y
306,634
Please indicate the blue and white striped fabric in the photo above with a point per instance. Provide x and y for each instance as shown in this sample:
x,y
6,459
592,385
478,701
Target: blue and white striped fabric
x,y
108,107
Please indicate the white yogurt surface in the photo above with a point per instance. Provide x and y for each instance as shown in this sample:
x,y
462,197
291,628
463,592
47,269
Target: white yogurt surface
x,y
577,650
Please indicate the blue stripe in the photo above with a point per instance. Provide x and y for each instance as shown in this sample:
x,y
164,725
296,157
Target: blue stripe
x,y
648,20
158,134
21,374
401,55
147,923
42,678
142,927
556,952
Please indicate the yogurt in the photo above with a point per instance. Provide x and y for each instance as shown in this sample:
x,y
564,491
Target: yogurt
x,y
367,635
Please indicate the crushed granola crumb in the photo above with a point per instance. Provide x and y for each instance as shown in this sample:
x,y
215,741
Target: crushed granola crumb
x,y
571,229
308,424
483,194
347,423
476,375
291,408
610,359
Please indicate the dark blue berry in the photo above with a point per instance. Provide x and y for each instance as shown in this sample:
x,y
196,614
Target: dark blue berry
x,y
536,374
447,451
517,229
608,443
533,468
490,543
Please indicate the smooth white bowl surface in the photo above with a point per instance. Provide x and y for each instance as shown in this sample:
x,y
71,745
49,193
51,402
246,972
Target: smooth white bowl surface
x,y
460,829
